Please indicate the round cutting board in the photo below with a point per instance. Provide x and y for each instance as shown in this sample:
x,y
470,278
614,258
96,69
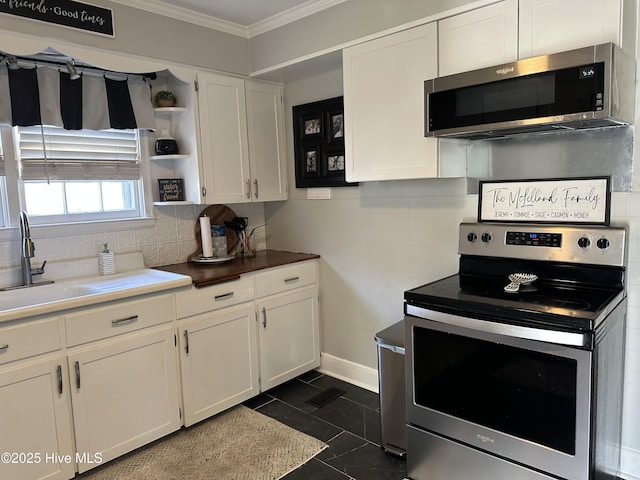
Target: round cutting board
x,y
218,214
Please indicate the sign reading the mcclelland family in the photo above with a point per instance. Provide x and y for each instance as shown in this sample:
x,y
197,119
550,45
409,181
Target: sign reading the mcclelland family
x,y
63,12
562,200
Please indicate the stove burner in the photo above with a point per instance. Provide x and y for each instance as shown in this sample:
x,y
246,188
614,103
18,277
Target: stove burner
x,y
555,302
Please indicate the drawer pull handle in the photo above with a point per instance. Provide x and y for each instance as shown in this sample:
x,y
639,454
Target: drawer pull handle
x,y
4,348
224,296
59,374
77,367
115,323
291,279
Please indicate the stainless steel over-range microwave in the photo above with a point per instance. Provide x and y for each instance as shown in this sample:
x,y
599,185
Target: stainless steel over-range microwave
x,y
589,87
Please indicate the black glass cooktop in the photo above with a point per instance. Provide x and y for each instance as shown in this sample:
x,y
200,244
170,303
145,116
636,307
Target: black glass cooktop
x,y
543,303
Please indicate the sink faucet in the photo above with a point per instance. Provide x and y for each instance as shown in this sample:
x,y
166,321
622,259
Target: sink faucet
x,y
28,251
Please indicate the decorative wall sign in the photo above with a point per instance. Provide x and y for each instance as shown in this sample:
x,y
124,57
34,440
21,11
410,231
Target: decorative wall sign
x,y
561,200
318,130
67,13
171,189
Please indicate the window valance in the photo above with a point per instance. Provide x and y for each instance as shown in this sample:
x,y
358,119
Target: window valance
x,y
44,95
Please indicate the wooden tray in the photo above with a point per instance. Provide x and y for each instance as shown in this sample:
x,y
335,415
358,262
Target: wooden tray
x,y
218,214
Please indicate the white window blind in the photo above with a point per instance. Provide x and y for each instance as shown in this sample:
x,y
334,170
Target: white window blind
x,y
52,153
2,172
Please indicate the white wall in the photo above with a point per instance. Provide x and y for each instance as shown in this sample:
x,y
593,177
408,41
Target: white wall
x,y
147,35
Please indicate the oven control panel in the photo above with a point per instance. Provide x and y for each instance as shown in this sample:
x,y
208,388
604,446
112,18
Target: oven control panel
x,y
535,239
561,243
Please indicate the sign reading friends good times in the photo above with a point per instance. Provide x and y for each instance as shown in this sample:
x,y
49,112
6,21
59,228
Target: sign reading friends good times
x,y
570,200
63,12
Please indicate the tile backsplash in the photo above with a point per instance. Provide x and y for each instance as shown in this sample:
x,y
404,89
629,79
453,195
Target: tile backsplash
x,y
171,238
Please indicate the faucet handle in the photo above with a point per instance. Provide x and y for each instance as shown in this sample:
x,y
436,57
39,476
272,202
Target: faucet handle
x,y
38,271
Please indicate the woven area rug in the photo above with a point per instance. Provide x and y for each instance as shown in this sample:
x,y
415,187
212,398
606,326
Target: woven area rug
x,y
239,444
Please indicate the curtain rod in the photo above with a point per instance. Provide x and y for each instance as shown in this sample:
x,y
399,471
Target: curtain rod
x,y
80,68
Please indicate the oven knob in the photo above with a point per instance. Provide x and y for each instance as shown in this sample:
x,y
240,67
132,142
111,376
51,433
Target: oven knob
x,y
603,243
584,242
472,237
486,237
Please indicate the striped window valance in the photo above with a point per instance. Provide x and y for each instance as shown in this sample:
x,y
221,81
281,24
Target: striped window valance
x,y
51,153
45,95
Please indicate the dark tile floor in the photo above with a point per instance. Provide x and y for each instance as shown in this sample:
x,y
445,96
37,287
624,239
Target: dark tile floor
x,y
349,425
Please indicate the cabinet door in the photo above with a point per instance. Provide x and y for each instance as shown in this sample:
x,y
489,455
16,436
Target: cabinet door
x,y
124,394
34,421
479,38
266,141
289,336
548,26
384,106
219,361
223,136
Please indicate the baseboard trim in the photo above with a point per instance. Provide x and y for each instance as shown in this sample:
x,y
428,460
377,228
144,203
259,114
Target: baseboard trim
x,y
630,464
355,373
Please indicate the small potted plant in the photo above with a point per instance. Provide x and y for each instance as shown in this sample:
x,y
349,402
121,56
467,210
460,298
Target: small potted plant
x,y
165,98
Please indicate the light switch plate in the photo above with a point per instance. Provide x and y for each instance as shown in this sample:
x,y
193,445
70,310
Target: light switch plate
x,y
319,193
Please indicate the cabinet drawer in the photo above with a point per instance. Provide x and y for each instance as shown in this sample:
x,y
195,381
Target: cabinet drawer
x,y
29,339
103,322
200,300
286,278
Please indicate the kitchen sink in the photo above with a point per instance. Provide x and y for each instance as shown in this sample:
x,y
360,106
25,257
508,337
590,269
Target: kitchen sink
x,y
19,303
41,294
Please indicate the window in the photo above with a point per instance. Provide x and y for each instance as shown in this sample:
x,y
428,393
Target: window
x,y
79,175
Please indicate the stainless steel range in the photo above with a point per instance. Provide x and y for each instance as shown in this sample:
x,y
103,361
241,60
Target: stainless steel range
x,y
515,364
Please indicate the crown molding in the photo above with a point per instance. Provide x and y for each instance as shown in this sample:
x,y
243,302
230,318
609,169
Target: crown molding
x,y
296,13
186,15
288,16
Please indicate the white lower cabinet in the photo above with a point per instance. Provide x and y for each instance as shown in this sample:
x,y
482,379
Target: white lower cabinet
x,y
289,336
218,361
229,354
124,376
124,394
111,376
35,428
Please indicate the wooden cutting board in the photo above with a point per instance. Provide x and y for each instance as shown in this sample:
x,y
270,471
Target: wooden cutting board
x,y
218,215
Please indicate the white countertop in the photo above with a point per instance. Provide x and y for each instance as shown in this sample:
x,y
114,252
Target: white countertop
x,y
73,292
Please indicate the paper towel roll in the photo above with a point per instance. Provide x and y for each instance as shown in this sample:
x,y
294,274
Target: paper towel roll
x,y
205,234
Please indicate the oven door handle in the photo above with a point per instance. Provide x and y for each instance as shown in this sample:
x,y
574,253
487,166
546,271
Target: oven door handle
x,y
517,331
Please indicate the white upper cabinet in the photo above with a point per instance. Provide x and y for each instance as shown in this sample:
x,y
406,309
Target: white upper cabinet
x,y
265,117
549,26
223,138
242,139
479,38
384,106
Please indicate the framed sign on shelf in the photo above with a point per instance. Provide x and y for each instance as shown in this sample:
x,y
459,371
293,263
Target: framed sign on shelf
x,y
557,200
318,130
171,189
